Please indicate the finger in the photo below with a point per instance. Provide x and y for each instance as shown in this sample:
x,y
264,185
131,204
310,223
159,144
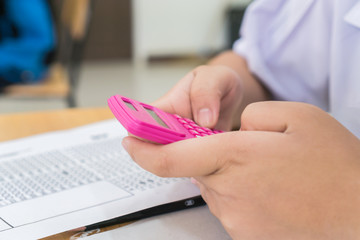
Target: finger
x,y
270,116
207,93
177,100
203,156
188,158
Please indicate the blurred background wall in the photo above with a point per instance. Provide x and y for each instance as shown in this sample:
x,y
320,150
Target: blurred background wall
x,y
143,28
187,27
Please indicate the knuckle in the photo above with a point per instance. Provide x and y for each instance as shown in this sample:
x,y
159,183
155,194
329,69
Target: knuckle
x,y
301,112
311,109
248,112
200,69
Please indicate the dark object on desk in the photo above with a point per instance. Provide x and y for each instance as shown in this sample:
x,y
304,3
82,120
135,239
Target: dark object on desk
x,y
150,212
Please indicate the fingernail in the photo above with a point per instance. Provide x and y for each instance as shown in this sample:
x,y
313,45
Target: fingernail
x,y
205,117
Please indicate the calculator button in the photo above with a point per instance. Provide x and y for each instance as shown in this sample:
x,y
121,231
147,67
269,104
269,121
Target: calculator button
x,y
188,126
200,130
195,129
183,121
189,120
193,132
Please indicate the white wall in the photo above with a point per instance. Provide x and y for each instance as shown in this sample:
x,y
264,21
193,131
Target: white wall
x,y
179,27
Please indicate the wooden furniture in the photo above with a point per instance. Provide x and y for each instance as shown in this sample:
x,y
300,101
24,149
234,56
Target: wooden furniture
x,y
63,76
13,126
19,125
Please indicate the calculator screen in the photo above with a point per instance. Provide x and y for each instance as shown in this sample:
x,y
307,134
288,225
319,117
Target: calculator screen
x,y
129,105
156,117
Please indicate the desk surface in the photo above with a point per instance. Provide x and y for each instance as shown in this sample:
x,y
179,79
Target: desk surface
x,y
14,126
19,125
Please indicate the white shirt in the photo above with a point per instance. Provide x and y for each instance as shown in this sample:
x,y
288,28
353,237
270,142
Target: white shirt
x,y
307,51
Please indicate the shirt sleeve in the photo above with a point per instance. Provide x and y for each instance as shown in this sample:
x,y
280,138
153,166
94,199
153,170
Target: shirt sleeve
x,y
274,42
26,52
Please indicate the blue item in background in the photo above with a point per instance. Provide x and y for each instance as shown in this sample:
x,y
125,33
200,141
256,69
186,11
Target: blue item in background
x,y
27,37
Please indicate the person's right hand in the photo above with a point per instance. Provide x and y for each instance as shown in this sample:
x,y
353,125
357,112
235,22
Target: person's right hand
x,y
204,94
291,172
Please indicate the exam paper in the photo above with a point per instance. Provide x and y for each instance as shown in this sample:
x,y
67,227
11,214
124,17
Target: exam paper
x,y
54,182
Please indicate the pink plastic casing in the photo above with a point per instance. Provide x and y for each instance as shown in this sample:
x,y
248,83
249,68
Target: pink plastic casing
x,y
140,123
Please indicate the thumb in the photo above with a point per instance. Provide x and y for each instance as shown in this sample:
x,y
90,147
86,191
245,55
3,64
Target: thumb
x,y
277,116
210,85
188,158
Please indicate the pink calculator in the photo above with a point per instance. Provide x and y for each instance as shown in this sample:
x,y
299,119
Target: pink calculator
x,y
151,123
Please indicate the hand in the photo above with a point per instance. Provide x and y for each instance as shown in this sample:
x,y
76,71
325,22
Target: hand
x,y
291,172
203,94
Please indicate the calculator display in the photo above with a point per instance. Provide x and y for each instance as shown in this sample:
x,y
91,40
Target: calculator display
x,y
129,105
156,117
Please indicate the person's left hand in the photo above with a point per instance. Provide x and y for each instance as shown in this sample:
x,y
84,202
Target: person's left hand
x,y
291,172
